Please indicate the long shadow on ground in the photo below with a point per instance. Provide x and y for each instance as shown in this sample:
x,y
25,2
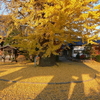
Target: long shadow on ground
x,y
65,72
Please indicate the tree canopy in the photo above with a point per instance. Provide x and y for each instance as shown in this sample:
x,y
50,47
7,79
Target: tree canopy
x,y
47,24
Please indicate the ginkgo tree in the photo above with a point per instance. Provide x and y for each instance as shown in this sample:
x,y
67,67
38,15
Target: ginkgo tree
x,y
46,24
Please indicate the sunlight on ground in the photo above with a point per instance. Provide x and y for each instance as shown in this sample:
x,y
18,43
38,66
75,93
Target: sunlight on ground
x,y
94,65
8,71
71,89
65,72
90,85
40,79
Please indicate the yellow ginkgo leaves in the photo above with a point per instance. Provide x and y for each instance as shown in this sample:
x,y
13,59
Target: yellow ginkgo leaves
x,y
46,21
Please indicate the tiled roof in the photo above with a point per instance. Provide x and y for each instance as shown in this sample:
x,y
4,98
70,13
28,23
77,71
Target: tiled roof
x,y
79,43
98,41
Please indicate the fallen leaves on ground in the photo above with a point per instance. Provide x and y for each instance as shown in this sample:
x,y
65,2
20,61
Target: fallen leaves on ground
x,y
64,72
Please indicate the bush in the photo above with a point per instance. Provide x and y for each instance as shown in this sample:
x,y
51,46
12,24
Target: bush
x,y
98,58
21,58
93,57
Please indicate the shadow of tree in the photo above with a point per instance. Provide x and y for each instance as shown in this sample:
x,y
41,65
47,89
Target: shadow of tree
x,y
66,72
2,71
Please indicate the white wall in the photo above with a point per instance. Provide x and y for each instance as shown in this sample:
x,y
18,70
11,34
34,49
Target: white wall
x,y
77,49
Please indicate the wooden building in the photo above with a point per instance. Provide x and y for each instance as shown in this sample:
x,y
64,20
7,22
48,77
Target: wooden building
x,y
8,53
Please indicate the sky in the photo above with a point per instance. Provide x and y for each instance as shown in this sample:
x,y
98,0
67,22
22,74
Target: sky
x,y
2,9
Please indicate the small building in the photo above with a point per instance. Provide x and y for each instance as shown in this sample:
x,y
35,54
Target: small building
x,y
8,53
78,47
76,50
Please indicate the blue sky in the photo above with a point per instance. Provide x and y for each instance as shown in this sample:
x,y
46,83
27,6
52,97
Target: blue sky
x,y
2,9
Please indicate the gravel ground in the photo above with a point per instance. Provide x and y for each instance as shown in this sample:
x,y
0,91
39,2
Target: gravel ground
x,y
27,82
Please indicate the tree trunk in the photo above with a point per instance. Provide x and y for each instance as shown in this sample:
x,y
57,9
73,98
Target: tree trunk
x,y
48,61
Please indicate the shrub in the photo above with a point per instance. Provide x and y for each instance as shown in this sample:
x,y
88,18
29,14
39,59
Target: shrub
x,y
93,57
21,58
98,58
